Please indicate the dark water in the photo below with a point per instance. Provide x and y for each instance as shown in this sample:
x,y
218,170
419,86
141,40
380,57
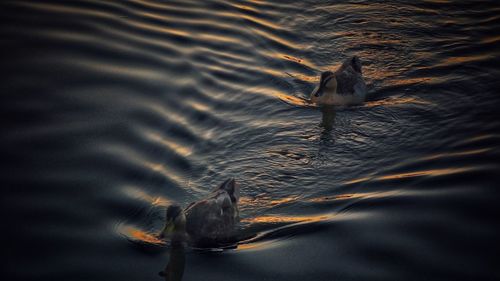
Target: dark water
x,y
112,110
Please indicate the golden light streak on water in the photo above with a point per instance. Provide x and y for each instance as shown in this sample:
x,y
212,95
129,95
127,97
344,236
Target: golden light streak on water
x,y
454,154
257,245
137,159
492,39
435,172
244,7
140,235
286,219
397,101
138,193
362,195
292,100
432,173
465,59
174,146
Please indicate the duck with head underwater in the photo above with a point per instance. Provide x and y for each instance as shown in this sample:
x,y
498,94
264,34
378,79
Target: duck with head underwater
x,y
210,222
345,86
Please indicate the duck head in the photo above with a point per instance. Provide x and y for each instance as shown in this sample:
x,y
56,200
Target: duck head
x,y
327,87
175,222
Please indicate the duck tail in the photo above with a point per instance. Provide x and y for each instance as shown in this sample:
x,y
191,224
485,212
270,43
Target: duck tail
x,y
231,188
356,64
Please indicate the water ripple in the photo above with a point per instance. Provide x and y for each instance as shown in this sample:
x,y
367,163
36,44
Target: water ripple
x,y
117,109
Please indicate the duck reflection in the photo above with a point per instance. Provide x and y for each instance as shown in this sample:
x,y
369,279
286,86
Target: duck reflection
x,y
328,118
327,122
174,270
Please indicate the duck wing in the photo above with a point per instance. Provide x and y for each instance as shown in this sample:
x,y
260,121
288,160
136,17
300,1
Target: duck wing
x,y
349,82
350,78
212,218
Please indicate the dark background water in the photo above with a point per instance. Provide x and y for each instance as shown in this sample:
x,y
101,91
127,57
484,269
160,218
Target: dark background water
x,y
112,110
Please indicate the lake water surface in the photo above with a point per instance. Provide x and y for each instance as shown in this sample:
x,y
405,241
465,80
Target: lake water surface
x,y
113,110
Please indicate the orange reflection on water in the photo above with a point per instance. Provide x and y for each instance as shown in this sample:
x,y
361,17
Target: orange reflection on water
x,y
432,173
286,219
302,77
136,192
244,7
454,154
347,196
162,29
412,81
479,138
292,100
135,158
435,172
493,39
277,39
218,38
140,235
397,101
260,201
290,58
198,106
333,198
245,200
164,171
256,245
177,148
463,59
251,19
358,180
284,200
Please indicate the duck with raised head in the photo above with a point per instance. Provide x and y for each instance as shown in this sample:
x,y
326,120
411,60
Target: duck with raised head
x,y
345,86
209,222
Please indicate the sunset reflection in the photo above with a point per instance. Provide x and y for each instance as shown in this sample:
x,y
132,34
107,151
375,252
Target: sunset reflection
x,y
348,196
139,235
286,219
138,193
431,173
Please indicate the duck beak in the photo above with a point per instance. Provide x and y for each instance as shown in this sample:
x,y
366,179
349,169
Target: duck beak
x,y
168,229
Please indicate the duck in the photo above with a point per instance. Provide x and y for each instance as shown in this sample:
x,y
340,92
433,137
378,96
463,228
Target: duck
x,y
209,222
345,86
